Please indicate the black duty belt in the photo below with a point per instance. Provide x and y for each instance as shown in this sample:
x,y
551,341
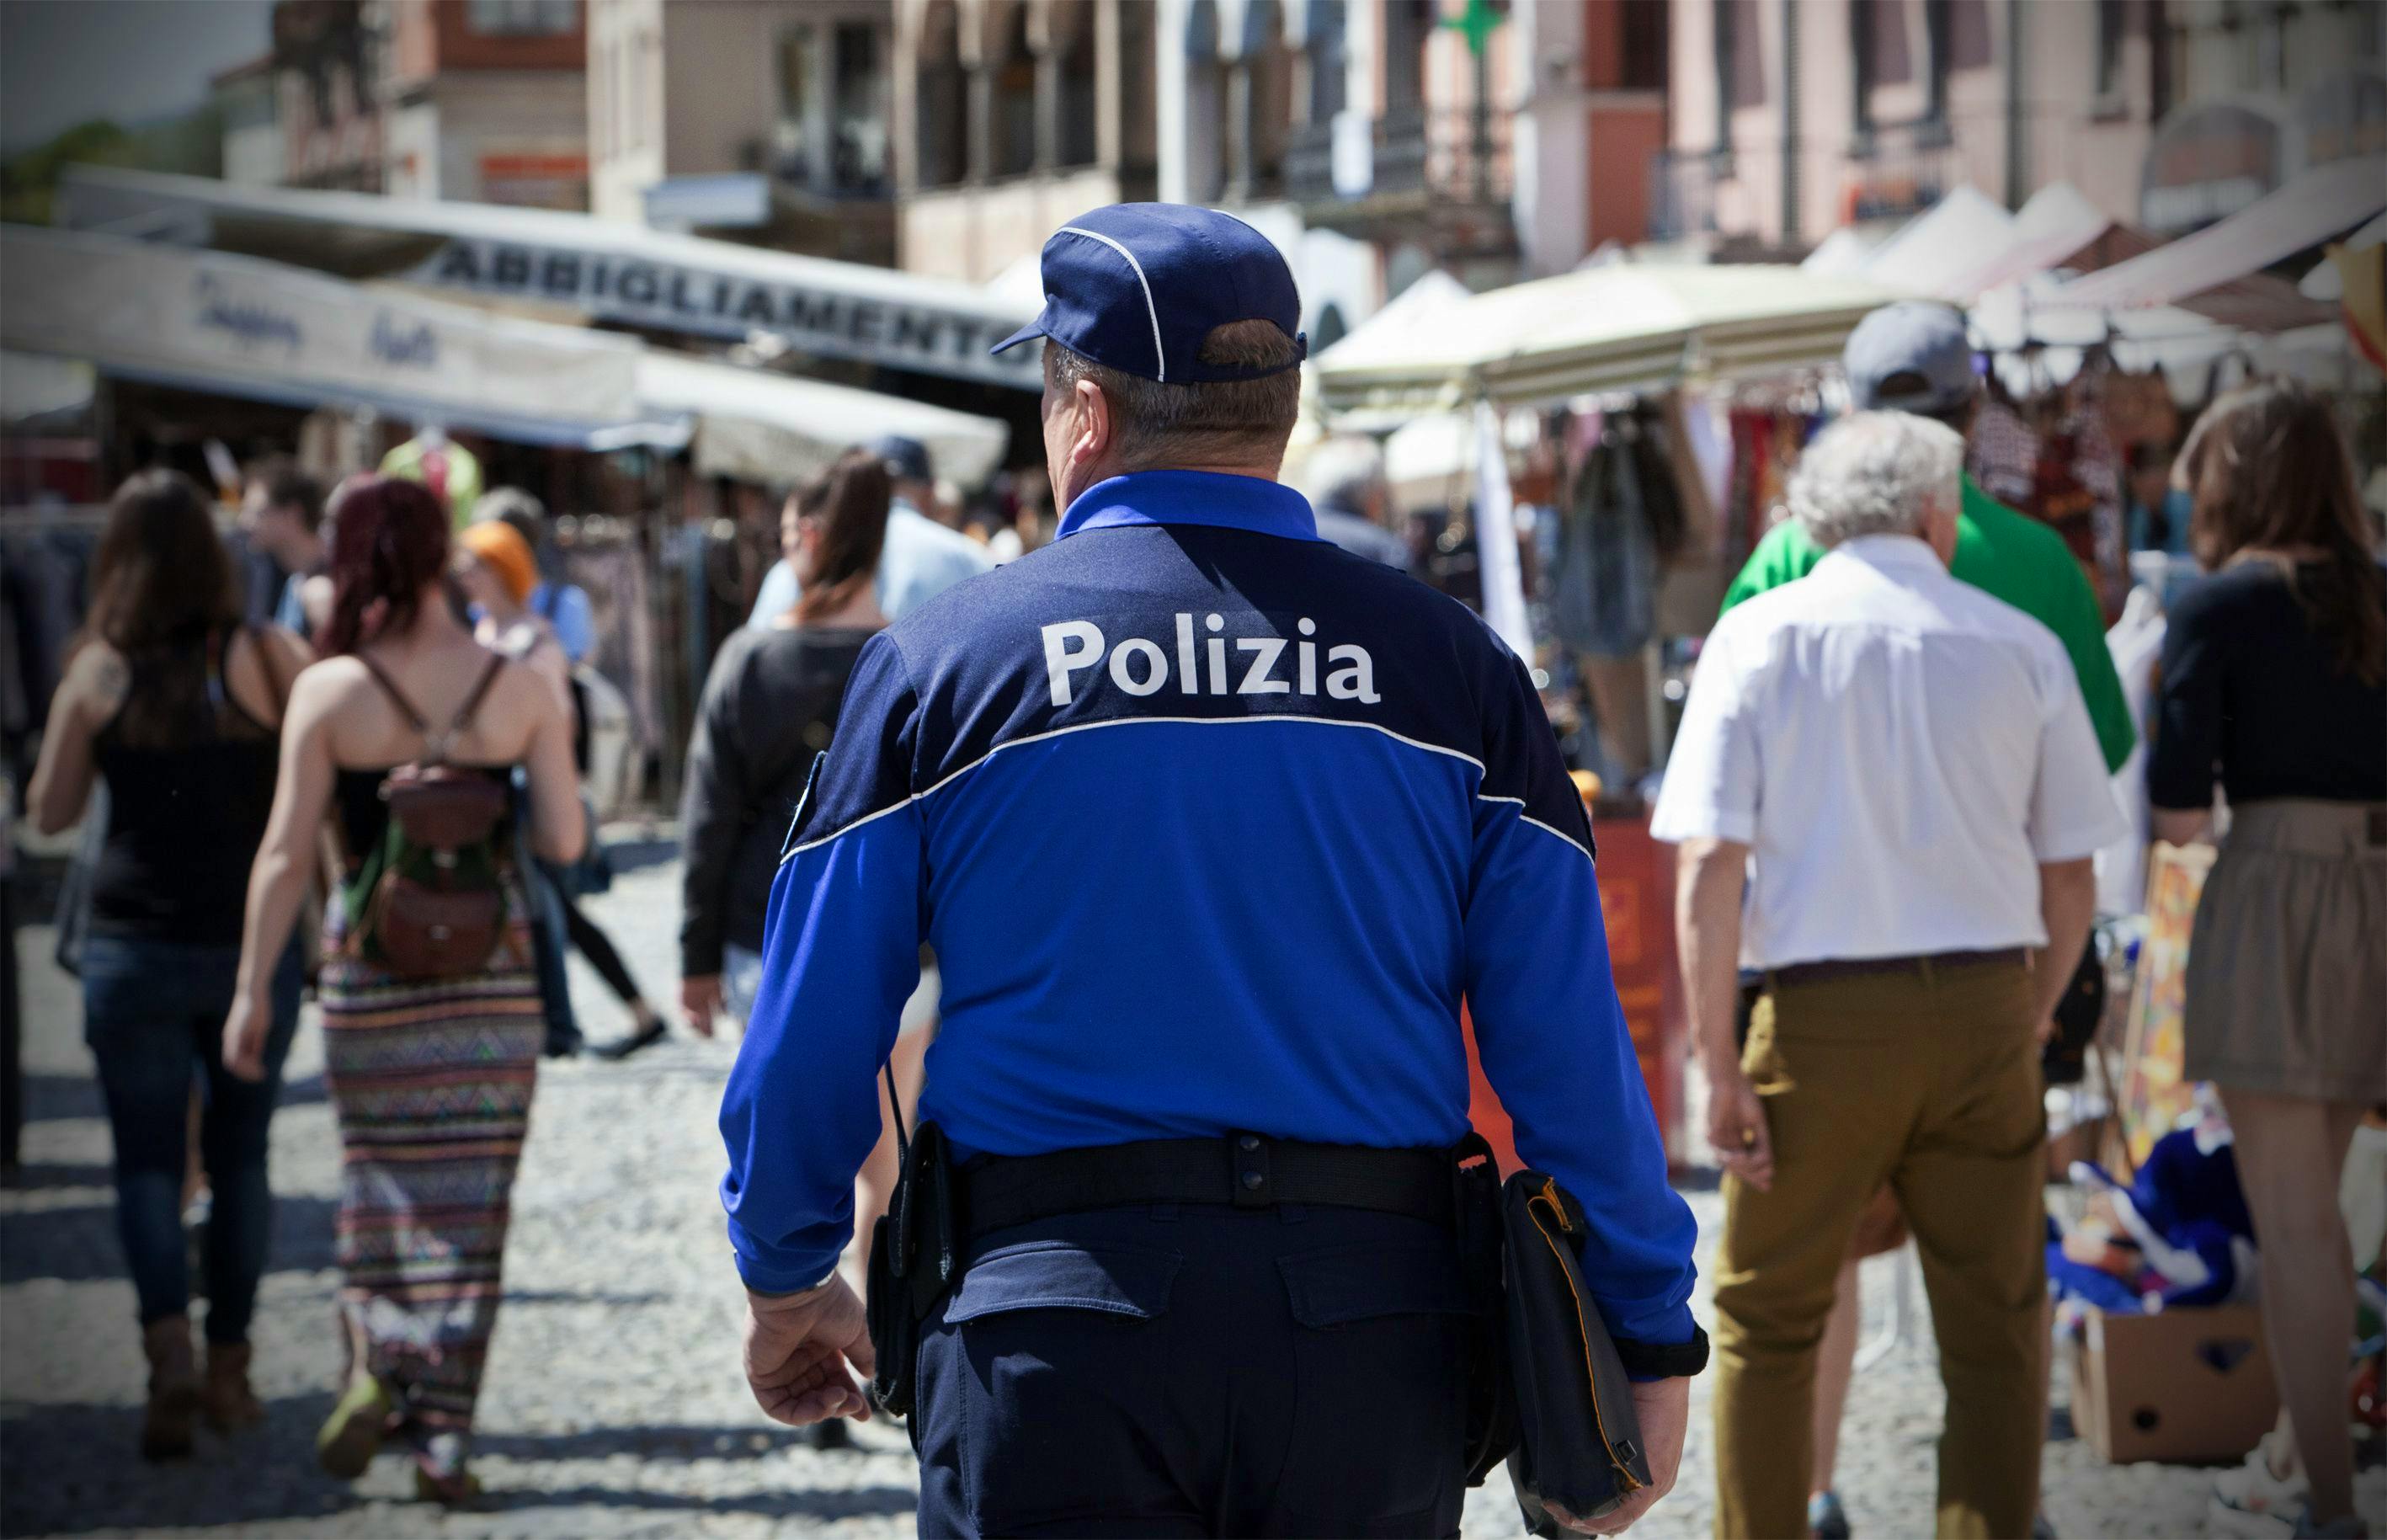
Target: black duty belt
x,y
1861,968
1243,1170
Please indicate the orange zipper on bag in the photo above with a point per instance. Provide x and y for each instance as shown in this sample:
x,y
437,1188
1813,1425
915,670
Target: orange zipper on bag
x,y
1549,1196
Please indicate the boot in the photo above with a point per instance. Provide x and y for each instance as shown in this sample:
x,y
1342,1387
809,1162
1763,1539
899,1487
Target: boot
x,y
225,1397
174,1389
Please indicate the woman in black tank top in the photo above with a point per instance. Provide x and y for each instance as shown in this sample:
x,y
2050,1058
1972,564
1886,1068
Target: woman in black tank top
x,y
178,707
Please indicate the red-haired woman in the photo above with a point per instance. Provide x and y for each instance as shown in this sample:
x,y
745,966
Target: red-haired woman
x,y
2274,684
430,1077
179,706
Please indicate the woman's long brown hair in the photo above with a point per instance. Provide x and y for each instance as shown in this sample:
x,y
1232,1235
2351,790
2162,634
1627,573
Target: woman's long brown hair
x,y
2270,475
849,502
162,587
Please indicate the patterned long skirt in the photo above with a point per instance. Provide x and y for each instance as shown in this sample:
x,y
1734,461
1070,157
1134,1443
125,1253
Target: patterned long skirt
x,y
432,1082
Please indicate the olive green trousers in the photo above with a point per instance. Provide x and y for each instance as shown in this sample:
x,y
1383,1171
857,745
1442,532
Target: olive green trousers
x,y
1926,1079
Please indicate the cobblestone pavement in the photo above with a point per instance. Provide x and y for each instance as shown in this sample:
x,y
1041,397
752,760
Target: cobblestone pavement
x,y
614,1403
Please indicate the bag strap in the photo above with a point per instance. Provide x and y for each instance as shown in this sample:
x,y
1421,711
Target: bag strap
x,y
895,1108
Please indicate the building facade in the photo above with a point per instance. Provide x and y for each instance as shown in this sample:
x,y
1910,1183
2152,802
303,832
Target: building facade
x,y
766,121
484,101
1012,117
1794,118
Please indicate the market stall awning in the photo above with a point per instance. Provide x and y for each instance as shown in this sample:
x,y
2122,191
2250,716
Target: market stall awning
x,y
1623,327
2323,202
767,428
1411,319
237,326
1930,254
618,272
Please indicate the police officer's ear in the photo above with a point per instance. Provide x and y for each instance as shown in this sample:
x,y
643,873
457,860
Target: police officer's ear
x,y
1091,424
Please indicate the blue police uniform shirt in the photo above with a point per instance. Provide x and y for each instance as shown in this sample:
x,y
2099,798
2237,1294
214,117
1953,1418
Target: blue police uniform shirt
x,y
1212,826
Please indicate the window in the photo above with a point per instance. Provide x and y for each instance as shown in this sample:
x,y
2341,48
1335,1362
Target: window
x,y
1877,42
858,109
1073,36
941,105
1739,63
1328,61
2111,23
793,150
1015,99
1643,45
522,18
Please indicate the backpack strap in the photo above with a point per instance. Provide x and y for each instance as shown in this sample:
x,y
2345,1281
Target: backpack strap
x,y
436,743
463,718
414,719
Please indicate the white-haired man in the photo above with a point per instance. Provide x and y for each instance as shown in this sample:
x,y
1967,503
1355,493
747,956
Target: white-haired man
x,y
1901,768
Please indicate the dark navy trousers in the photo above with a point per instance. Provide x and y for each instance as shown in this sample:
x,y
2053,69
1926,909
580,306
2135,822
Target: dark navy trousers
x,y
1197,1370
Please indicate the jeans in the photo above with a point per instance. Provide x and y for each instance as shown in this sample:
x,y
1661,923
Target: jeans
x,y
154,1015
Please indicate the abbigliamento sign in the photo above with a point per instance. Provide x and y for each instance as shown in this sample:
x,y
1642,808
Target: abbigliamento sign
x,y
669,296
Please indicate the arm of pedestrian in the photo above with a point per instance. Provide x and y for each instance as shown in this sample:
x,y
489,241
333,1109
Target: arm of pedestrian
x,y
700,1001
1710,876
277,880
2067,907
87,700
2183,826
559,823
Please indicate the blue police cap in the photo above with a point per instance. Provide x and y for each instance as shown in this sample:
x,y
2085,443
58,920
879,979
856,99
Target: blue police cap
x,y
1136,286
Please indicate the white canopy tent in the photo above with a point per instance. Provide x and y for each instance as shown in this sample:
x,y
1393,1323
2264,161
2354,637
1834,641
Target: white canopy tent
x,y
260,331
1624,326
764,427
1931,253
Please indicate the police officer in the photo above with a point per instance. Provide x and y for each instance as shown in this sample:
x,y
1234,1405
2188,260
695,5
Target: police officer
x,y
1212,826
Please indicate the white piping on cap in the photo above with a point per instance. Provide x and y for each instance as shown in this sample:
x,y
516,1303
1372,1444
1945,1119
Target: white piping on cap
x,y
1159,354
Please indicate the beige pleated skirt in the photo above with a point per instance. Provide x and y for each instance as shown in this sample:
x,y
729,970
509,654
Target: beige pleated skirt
x,y
2287,967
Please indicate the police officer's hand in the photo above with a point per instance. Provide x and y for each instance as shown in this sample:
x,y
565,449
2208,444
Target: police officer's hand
x,y
797,1350
1662,1408
1736,1127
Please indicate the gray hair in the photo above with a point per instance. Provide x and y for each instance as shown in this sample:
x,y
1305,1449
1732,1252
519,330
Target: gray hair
x,y
1876,473
1341,473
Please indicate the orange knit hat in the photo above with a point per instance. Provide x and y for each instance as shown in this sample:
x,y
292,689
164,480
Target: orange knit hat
x,y
506,553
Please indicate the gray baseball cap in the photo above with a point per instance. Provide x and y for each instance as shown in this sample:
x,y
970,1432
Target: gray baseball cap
x,y
1917,338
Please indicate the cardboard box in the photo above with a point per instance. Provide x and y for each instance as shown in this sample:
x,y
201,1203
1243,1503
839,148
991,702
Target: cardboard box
x,y
2184,1385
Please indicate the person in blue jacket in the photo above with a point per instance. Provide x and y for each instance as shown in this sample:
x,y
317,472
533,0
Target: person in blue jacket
x,y
1212,826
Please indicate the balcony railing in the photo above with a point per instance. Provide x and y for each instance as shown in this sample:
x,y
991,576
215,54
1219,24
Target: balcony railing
x,y
1683,191
1417,161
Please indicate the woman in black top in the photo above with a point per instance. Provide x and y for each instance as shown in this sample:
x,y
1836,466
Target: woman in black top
x,y
2274,683
769,707
177,705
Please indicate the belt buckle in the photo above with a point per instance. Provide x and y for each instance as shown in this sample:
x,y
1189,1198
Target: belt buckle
x,y
1253,1187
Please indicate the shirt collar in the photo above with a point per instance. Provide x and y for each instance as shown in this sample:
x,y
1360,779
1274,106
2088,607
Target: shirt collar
x,y
1192,497
1900,554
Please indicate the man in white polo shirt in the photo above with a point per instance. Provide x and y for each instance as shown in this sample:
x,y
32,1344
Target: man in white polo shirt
x,y
1898,774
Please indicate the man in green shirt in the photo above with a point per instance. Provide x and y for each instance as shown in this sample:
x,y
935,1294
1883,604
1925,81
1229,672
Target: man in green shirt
x,y
1915,358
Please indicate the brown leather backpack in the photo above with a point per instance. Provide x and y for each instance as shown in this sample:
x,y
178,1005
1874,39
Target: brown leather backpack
x,y
430,900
